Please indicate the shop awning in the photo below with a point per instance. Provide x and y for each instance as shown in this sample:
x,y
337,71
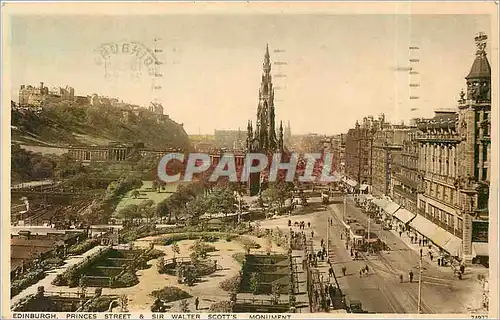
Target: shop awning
x,y
404,215
363,187
391,207
446,241
480,249
381,203
368,197
424,226
454,245
352,183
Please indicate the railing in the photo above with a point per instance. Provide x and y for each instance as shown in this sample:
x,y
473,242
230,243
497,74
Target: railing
x,y
438,137
404,193
441,178
261,302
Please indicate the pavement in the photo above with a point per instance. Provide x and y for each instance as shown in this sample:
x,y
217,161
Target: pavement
x,y
47,281
381,291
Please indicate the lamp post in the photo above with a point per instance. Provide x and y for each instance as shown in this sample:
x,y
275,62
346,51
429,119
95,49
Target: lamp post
x,y
419,286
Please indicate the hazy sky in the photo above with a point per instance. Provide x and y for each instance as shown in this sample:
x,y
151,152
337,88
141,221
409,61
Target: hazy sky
x,y
339,67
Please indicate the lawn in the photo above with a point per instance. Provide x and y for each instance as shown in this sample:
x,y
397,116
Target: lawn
x,y
146,194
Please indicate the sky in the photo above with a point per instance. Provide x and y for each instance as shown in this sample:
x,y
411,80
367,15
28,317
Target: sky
x,y
339,68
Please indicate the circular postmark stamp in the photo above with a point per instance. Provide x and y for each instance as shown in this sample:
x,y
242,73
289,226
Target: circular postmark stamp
x,y
126,59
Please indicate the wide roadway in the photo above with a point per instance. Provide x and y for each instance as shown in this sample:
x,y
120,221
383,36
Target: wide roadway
x,y
381,291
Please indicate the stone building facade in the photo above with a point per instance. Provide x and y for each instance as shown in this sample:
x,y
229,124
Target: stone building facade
x,y
406,179
454,153
338,150
387,143
358,150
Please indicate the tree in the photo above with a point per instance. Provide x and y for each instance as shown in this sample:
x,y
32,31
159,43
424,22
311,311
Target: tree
x,y
277,193
184,306
135,193
146,209
162,210
254,282
175,249
123,303
220,200
195,209
129,213
275,291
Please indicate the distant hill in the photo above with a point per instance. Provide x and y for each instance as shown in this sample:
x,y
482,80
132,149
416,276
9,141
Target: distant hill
x,y
67,124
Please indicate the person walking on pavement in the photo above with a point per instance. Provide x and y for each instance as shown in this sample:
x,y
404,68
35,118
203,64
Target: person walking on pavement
x,y
366,268
401,278
352,252
420,252
196,303
330,272
462,268
431,256
361,272
410,274
312,234
344,270
309,224
419,242
400,233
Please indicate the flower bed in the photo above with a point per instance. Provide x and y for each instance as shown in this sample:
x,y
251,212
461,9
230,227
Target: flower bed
x,y
28,279
169,294
83,247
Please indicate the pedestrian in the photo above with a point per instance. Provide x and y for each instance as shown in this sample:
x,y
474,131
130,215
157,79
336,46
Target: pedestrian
x,y
356,255
316,296
196,303
322,242
344,270
419,242
410,274
331,222
462,268
401,278
411,239
366,268
309,224
360,272
420,252
439,261
400,233
330,272
340,236
324,251
431,256
312,234
352,252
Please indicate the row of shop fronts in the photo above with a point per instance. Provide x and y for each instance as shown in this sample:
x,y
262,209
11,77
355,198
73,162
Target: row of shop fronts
x,y
392,216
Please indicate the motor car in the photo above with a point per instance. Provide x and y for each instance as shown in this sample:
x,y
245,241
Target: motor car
x,y
355,306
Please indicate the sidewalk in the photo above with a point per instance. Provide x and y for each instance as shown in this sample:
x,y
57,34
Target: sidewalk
x,y
474,269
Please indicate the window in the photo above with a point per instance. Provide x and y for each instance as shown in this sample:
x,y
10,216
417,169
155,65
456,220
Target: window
x,y
460,224
485,152
485,173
